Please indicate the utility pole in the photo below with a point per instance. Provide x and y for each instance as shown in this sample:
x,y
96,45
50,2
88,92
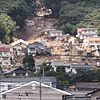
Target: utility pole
x,y
0,85
40,92
42,76
43,72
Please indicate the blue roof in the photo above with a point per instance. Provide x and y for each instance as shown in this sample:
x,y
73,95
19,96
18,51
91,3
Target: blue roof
x,y
36,44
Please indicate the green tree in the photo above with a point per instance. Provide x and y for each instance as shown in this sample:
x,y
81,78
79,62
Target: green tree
x,y
20,12
54,5
7,26
73,12
29,62
46,69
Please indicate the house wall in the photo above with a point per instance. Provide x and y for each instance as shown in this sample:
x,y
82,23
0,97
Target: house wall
x,y
76,52
4,86
33,92
95,96
5,58
18,49
94,45
86,32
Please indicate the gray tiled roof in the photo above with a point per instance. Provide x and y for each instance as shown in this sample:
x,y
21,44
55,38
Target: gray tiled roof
x,y
79,93
83,66
28,79
88,85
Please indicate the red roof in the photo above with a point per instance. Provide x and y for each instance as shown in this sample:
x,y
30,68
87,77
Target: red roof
x,y
4,49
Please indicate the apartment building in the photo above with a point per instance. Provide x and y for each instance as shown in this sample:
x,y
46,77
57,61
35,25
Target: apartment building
x,y
5,55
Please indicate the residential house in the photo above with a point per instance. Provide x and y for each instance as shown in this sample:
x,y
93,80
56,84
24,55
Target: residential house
x,y
83,33
57,64
9,83
72,40
37,48
34,91
93,44
68,67
72,68
18,72
5,55
77,51
19,47
52,32
94,95
87,86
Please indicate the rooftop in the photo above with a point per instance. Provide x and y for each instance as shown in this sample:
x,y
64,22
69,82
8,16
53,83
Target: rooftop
x,y
28,79
83,66
28,87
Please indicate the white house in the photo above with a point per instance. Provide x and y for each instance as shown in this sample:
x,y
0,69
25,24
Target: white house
x,y
19,46
34,91
52,32
86,32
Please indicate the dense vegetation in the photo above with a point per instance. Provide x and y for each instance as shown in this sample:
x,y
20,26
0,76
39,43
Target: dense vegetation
x,y
15,11
75,13
70,13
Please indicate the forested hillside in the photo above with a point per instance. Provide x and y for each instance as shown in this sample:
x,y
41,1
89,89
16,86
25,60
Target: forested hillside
x,y
15,11
75,13
70,13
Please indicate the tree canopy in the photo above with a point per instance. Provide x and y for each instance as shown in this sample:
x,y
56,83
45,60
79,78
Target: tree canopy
x,y
7,26
71,13
29,62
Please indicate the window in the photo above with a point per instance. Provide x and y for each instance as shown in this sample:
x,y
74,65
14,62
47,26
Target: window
x,y
33,86
5,52
5,63
9,87
32,49
64,97
98,98
0,63
2,86
4,96
80,52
